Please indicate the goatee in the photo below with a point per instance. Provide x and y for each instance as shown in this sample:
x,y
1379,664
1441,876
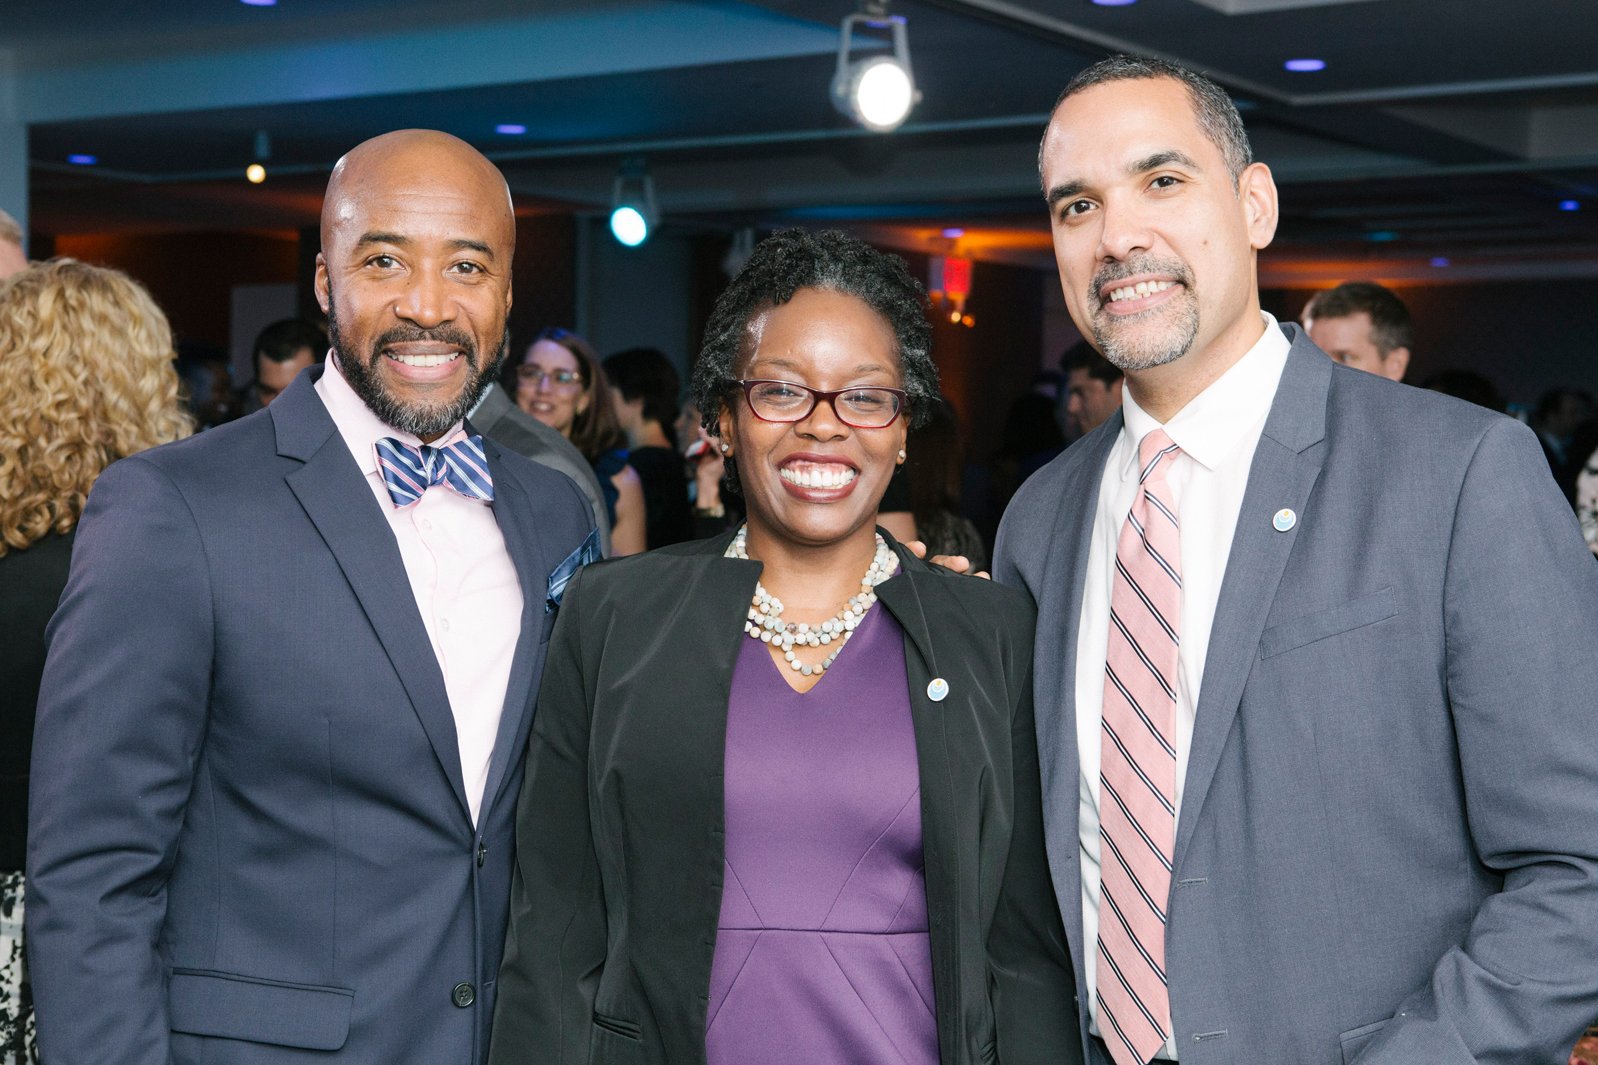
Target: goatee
x,y
426,420
1130,353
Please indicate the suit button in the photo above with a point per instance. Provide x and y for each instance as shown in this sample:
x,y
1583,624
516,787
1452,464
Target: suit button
x,y
463,995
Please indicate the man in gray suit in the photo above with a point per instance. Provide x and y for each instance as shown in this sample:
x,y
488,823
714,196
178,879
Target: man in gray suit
x,y
291,679
1317,657
497,417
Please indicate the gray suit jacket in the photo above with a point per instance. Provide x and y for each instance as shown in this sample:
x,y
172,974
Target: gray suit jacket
x,y
1388,842
250,841
496,416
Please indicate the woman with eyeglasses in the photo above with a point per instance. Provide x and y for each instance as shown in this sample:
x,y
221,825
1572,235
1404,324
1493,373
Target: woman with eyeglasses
x,y
782,800
561,383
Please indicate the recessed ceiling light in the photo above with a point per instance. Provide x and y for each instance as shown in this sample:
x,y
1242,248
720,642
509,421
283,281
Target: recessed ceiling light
x,y
255,173
83,160
510,129
954,231
1440,261
259,3
1305,65
1382,236
1114,3
1570,205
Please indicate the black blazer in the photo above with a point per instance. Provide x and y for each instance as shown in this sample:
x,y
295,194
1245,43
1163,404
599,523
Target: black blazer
x,y
620,830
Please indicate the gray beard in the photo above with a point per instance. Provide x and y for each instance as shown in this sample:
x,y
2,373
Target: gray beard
x,y
423,420
1129,355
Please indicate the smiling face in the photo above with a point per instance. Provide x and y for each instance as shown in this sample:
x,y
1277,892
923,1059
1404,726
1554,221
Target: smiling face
x,y
1154,242
817,481
417,240
550,386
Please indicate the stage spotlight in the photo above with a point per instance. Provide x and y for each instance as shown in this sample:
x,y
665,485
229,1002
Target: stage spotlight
x,y
877,91
633,214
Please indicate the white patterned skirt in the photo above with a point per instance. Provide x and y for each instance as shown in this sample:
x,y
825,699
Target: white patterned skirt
x,y
17,1045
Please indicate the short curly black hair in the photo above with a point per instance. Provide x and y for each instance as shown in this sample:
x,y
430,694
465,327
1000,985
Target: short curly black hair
x,y
794,259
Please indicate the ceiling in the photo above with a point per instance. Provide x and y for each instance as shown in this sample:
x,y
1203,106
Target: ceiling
x,y
1440,141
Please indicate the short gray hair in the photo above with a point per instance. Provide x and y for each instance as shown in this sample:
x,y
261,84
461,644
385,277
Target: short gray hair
x,y
10,231
1217,114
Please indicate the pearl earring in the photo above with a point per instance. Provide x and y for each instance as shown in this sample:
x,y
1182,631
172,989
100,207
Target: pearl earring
x,y
902,455
725,450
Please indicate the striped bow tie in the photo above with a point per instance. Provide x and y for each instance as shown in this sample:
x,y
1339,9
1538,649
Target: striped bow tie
x,y
410,471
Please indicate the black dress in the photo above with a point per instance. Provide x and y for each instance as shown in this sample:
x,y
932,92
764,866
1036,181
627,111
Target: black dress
x,y
31,581
668,517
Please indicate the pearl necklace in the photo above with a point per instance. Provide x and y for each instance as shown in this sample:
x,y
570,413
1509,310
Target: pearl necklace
x,y
765,611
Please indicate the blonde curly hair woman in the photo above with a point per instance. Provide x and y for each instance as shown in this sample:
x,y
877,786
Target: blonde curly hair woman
x,y
86,378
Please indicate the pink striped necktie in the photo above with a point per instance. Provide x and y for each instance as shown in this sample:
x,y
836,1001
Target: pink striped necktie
x,y
1137,776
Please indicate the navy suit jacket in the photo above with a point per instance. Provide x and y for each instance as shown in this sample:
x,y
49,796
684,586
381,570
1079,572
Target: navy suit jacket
x,y
250,841
1387,850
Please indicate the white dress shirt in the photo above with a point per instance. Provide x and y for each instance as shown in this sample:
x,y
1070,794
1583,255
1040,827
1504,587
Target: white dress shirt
x,y
1217,431
463,579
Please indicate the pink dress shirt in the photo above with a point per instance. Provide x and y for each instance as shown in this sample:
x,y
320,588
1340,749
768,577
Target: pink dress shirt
x,y
463,579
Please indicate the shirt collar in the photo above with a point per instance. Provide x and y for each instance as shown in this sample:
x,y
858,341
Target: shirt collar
x,y
360,428
1224,416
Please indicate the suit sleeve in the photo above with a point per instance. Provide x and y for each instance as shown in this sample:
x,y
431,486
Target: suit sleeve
x,y
1034,985
122,714
555,946
1521,617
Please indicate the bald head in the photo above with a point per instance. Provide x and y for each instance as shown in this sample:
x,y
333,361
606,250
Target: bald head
x,y
414,274
421,162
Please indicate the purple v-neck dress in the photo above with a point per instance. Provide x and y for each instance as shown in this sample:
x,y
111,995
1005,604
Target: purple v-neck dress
x,y
822,955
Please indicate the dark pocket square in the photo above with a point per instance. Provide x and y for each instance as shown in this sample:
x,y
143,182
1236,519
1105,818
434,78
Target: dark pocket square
x,y
563,573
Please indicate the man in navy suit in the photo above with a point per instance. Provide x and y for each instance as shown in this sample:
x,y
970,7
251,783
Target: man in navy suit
x,y
291,679
1317,653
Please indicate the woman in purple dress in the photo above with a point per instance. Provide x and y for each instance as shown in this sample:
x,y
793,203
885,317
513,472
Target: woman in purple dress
x,y
781,802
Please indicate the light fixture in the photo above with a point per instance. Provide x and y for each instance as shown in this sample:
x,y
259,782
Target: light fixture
x,y
1570,205
877,91
632,204
510,129
1441,261
255,173
1114,3
259,3
954,233
79,159
950,279
1305,65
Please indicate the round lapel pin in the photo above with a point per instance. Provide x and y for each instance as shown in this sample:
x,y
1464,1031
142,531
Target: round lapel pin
x,y
1284,520
938,689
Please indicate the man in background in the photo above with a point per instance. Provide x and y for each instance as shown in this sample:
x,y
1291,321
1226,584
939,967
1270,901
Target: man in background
x,y
1363,325
503,421
13,257
1093,387
282,350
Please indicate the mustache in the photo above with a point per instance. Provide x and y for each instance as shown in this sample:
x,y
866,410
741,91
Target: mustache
x,y
442,334
1109,273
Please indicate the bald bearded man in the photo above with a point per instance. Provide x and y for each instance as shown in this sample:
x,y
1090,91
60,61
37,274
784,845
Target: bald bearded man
x,y
290,682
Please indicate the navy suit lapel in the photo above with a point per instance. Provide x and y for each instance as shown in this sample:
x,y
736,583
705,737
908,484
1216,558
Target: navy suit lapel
x,y
1286,466
518,523
339,502
1059,600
